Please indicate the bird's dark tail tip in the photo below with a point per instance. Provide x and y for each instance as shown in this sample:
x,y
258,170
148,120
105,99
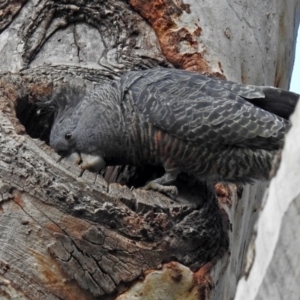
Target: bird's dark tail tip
x,y
277,101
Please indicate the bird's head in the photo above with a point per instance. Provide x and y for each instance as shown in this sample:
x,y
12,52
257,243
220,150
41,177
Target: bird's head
x,y
74,137
63,136
86,131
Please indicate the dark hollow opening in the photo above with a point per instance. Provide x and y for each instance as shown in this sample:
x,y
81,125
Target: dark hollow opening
x,y
38,123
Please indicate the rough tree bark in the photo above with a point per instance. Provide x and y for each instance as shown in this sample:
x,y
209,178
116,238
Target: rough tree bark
x,y
69,237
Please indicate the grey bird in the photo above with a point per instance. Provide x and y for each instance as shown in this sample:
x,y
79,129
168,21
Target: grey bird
x,y
213,129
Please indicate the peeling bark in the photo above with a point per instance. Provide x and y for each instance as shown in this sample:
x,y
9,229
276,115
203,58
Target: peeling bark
x,y
179,45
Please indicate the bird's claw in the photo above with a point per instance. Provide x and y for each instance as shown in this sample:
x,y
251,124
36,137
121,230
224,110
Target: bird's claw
x,y
170,190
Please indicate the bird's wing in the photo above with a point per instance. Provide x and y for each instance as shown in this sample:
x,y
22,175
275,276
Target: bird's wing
x,y
201,109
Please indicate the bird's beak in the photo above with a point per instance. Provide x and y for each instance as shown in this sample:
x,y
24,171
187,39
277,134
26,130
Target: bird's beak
x,y
74,158
93,163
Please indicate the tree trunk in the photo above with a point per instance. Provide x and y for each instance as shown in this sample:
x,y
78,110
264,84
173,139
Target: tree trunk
x,y
272,268
69,237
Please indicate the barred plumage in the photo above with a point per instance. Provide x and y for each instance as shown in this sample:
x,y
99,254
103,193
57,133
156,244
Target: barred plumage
x,y
184,121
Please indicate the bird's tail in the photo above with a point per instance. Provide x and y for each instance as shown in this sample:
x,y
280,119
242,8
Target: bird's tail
x,y
277,101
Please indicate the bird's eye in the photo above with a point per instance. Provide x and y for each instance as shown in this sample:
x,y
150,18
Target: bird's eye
x,y
68,136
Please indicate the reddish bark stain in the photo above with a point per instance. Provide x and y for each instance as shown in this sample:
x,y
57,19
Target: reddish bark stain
x,y
11,93
204,281
134,222
18,198
57,282
176,272
160,14
38,90
198,31
8,98
74,226
53,228
224,194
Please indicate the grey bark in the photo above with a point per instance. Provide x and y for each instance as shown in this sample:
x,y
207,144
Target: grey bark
x,y
273,258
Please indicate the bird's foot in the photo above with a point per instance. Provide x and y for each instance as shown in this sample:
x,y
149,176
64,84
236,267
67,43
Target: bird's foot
x,y
170,190
162,184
